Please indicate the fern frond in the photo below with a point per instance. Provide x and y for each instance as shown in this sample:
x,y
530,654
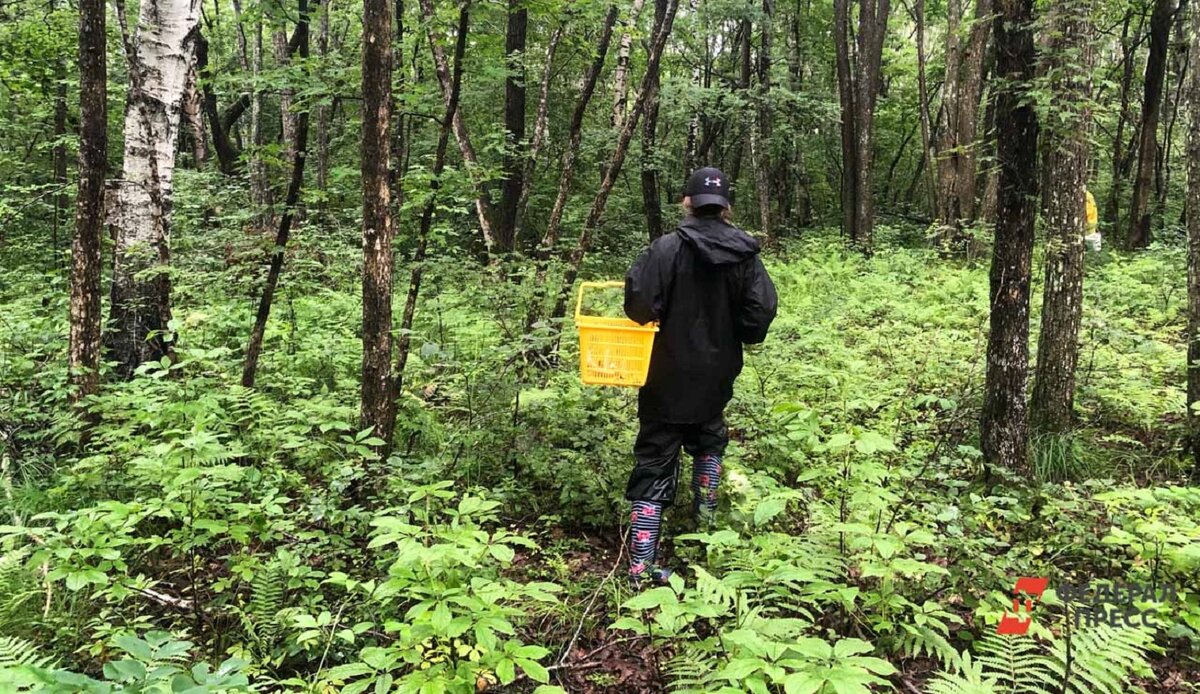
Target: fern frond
x,y
1102,658
967,678
19,652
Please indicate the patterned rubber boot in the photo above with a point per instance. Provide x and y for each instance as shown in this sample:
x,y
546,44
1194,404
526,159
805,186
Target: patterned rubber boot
x,y
706,475
645,526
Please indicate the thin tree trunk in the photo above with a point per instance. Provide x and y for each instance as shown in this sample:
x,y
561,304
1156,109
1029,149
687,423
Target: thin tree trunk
x,y
483,209
158,56
956,151
1004,427
1128,52
621,71
923,92
439,164
549,240
191,115
291,199
514,126
1067,134
1156,65
539,127
61,200
592,221
84,348
1179,68
378,406
1193,227
849,137
651,197
761,129
323,110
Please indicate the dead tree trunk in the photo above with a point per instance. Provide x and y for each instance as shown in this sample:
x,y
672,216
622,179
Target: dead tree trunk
x,y
378,410
1156,66
439,164
84,349
159,56
923,94
291,198
858,89
514,126
1067,135
1193,227
1004,428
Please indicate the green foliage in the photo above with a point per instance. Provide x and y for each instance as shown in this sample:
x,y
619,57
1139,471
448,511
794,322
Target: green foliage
x,y
1097,660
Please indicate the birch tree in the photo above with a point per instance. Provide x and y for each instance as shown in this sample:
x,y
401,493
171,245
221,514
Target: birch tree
x,y
159,55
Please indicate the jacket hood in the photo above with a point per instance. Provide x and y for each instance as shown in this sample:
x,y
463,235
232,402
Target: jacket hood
x,y
716,242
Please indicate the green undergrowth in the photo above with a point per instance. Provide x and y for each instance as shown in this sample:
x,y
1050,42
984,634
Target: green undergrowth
x,y
200,537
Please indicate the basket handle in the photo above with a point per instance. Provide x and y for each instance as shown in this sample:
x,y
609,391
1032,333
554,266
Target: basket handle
x,y
584,286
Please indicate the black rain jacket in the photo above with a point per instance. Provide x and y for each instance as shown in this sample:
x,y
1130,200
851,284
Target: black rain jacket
x,y
706,286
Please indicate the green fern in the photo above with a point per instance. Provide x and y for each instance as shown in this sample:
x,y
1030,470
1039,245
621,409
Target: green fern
x,y
17,652
968,677
1096,660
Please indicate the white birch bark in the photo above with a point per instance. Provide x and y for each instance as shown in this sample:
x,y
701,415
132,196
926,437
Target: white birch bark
x,y
159,55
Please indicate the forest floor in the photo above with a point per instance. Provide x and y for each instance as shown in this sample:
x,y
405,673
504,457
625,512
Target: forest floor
x,y
854,511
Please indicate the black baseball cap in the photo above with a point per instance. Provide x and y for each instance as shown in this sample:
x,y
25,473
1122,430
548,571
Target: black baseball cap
x,y
708,186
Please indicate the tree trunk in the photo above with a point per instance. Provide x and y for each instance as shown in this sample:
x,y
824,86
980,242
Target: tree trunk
x,y
483,208
1193,227
621,71
1128,52
858,88
961,93
378,411
550,238
439,164
1004,426
923,94
651,197
658,44
60,155
1156,65
761,129
1179,69
291,198
1067,135
539,127
84,349
159,56
323,110
514,126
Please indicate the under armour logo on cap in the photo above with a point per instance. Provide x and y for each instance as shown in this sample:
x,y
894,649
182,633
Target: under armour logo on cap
x,y
708,186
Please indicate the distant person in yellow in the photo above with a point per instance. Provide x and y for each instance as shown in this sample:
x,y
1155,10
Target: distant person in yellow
x,y
1092,240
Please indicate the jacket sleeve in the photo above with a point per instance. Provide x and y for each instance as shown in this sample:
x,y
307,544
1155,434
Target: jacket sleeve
x,y
647,284
758,306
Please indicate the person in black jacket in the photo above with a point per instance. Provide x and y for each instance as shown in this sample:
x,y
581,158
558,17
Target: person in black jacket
x,y
706,286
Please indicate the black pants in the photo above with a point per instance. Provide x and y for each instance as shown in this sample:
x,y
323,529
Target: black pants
x,y
656,452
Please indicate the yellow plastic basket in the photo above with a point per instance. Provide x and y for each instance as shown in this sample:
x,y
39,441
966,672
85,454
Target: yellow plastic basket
x,y
612,351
